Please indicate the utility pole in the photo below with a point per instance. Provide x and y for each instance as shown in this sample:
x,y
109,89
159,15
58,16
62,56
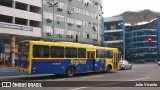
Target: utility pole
x,y
52,4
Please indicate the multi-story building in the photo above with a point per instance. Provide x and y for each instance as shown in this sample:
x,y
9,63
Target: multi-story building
x,y
19,20
72,20
141,42
114,33
51,20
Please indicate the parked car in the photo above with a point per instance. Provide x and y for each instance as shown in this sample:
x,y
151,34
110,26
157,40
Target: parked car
x,y
141,61
159,63
125,65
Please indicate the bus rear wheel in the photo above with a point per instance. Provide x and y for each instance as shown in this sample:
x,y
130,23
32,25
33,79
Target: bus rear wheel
x,y
108,69
70,71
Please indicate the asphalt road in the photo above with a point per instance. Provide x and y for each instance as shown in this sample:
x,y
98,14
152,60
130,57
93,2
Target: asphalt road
x,y
139,72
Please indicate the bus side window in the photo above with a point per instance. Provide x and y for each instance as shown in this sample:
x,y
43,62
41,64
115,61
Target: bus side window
x,y
70,52
40,51
57,52
81,53
109,54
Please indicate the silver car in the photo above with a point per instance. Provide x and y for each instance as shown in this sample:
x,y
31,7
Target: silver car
x,y
125,65
159,63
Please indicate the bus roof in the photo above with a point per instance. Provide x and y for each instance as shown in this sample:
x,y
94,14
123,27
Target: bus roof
x,y
68,44
65,44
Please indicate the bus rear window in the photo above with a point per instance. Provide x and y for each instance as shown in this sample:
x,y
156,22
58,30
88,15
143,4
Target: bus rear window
x,y
23,47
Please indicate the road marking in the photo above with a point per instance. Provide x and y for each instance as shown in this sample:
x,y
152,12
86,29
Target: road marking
x,y
107,84
78,88
139,79
58,80
94,76
50,80
93,86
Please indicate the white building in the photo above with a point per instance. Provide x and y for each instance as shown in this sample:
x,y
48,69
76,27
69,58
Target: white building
x,y
19,20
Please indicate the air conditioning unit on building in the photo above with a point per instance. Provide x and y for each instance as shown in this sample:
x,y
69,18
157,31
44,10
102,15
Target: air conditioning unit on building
x,y
58,22
70,24
94,28
72,36
96,3
49,34
59,9
78,26
60,35
69,12
49,20
69,36
86,3
95,39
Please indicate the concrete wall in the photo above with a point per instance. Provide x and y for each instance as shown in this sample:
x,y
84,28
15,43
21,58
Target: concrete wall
x,y
37,3
20,13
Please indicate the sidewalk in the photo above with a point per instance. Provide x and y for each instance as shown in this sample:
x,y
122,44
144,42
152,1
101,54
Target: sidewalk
x,y
9,71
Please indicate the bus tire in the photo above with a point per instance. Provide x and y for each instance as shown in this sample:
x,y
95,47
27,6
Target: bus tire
x,y
108,69
70,71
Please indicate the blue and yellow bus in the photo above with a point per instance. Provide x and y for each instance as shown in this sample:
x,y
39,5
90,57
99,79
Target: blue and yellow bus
x,y
40,57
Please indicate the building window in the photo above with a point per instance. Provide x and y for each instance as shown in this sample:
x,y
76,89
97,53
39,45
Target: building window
x,y
80,34
60,18
86,24
92,15
40,51
78,10
88,13
80,1
70,8
59,31
48,15
84,35
70,20
70,52
60,5
94,36
48,29
57,52
87,35
70,32
79,22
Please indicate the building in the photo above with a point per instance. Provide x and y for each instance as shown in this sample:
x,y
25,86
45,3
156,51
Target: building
x,y
19,20
114,33
49,20
73,20
141,42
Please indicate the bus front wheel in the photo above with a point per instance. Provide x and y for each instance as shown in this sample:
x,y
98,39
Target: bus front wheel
x,y
70,71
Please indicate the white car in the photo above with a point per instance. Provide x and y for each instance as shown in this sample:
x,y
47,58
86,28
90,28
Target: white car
x,y
159,63
125,65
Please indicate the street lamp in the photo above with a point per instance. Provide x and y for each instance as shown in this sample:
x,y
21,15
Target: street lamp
x,y
52,3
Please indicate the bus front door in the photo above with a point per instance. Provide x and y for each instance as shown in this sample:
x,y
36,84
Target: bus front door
x,y
115,61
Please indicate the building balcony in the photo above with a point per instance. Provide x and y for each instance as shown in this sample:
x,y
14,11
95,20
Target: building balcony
x,y
8,11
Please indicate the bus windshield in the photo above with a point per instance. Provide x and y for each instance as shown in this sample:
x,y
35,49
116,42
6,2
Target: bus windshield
x,y
23,47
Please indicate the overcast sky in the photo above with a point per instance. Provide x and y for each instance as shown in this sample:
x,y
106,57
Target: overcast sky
x,y
114,7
